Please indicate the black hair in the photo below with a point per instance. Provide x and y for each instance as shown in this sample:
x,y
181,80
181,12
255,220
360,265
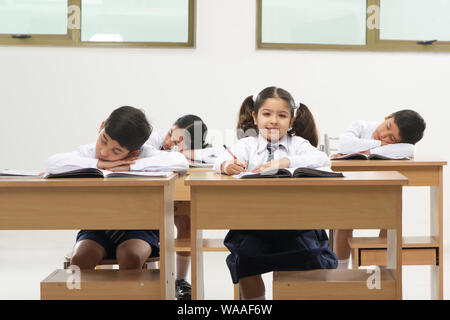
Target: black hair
x,y
303,126
410,124
196,131
129,127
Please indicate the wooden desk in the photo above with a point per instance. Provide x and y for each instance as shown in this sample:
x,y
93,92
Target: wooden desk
x,y
420,172
360,200
115,203
182,203
183,192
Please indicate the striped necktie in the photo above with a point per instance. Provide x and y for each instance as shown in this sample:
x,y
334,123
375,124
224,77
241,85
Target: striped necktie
x,y
271,148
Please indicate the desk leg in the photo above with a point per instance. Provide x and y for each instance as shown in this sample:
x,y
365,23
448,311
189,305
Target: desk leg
x,y
436,230
167,252
331,239
196,253
394,248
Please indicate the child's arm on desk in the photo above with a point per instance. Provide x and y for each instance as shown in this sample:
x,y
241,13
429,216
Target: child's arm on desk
x,y
151,159
350,141
78,159
230,161
206,155
82,158
397,150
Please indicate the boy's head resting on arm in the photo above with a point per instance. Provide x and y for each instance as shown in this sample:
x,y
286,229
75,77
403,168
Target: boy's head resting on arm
x,y
122,134
274,113
187,133
404,126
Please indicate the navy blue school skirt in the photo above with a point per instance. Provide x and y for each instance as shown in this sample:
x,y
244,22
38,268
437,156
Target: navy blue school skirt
x,y
254,252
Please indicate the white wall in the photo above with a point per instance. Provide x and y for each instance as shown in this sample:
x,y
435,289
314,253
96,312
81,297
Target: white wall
x,y
53,99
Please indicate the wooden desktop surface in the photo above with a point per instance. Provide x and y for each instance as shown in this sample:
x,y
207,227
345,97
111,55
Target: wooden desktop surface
x,y
94,203
420,172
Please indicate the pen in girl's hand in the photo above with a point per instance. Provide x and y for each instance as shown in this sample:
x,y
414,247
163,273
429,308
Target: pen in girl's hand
x,y
234,157
232,154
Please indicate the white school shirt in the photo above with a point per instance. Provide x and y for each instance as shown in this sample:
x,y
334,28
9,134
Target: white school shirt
x,y
208,155
151,160
254,151
358,138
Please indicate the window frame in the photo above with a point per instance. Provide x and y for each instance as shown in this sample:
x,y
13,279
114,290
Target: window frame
x,y
42,39
373,41
73,36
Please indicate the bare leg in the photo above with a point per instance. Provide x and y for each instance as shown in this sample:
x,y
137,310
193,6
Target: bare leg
x,y
87,254
183,224
183,260
252,287
133,253
341,246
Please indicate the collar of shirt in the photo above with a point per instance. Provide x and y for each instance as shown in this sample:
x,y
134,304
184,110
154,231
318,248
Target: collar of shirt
x,y
262,143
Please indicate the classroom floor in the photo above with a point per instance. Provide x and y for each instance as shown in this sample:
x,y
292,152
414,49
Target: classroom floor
x,y
27,257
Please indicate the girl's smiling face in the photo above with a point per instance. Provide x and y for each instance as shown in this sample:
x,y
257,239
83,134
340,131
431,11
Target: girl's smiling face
x,y
273,119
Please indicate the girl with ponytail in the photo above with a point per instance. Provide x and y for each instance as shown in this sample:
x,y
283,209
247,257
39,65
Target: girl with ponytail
x,y
273,134
303,124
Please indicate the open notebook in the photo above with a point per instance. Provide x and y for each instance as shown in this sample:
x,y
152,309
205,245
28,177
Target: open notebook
x,y
98,173
362,156
18,173
291,173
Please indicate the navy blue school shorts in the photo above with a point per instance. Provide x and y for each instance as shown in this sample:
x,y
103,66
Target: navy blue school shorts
x,y
99,236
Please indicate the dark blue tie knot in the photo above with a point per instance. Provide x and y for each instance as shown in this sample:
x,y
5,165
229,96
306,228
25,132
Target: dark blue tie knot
x,y
271,148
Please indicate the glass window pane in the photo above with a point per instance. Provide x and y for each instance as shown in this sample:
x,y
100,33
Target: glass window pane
x,y
33,16
314,21
135,20
415,20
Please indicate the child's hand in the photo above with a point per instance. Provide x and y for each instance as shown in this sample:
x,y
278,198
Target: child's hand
x,y
234,167
120,168
108,165
188,154
273,165
131,158
336,155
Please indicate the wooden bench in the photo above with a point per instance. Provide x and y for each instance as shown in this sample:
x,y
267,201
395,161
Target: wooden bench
x,y
102,285
331,284
209,245
368,251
